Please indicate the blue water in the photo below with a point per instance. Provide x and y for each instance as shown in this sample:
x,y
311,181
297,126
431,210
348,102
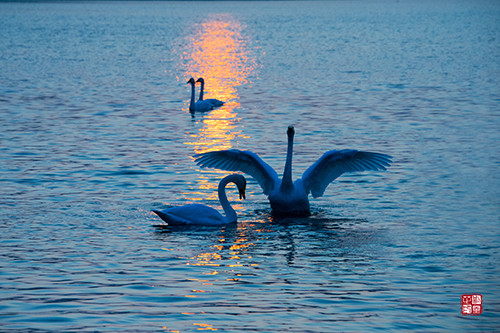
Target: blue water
x,y
95,132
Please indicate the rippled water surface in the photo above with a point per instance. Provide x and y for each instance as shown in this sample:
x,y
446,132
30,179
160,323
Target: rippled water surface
x,y
96,132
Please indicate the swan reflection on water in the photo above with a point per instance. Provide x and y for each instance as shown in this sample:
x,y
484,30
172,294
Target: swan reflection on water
x,y
248,242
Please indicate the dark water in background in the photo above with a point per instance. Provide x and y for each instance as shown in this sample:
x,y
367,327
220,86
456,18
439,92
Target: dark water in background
x,y
95,133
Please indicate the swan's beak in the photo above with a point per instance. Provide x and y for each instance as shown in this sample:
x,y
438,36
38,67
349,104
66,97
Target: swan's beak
x,y
242,193
290,131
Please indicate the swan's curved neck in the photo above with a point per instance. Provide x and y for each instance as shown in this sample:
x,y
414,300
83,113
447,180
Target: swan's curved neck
x,y
191,103
286,183
201,91
228,210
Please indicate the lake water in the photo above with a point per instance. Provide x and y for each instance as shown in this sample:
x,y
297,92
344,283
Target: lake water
x,y
95,132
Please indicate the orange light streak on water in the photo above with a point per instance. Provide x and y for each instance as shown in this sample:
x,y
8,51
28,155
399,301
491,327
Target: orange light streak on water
x,y
205,327
218,52
229,255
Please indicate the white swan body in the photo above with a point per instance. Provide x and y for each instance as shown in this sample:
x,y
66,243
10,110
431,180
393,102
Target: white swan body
x,y
201,214
200,106
213,101
287,197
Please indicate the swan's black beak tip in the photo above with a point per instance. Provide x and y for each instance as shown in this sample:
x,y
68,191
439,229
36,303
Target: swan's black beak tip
x,y
242,194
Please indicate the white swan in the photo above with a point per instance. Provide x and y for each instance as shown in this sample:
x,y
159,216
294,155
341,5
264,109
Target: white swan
x,y
201,214
200,106
286,197
213,101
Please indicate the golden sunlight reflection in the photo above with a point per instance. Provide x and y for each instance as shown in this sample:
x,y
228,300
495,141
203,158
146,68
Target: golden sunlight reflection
x,y
227,252
218,52
204,327
227,259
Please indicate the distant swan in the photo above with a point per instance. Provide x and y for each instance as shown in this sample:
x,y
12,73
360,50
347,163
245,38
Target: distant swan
x,y
201,214
200,106
213,101
286,197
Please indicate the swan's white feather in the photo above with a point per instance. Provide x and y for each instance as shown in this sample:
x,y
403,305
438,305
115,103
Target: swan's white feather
x,y
203,106
191,214
334,163
241,160
215,102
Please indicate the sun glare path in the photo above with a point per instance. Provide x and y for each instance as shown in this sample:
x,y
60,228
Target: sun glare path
x,y
218,52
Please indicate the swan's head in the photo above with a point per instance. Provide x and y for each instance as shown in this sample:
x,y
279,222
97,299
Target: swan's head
x,y
190,81
242,193
241,183
201,80
291,131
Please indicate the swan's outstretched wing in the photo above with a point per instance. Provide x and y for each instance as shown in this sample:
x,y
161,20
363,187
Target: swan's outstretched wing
x,y
240,160
334,163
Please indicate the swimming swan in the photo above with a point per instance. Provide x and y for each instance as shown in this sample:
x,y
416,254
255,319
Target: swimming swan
x,y
200,106
213,101
201,214
286,197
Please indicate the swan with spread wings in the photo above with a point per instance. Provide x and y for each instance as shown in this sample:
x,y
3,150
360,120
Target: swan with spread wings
x,y
287,197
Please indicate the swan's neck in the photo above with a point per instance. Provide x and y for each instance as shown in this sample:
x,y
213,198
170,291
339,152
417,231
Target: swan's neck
x,y
286,183
191,103
201,91
228,210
